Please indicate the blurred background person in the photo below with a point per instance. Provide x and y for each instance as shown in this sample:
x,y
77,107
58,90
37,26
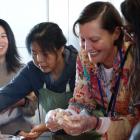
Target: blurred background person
x,y
12,119
131,12
132,29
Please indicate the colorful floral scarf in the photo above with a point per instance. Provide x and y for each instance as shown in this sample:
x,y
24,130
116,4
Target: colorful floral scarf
x,y
87,92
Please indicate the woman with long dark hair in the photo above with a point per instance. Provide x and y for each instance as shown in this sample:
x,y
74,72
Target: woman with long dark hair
x,y
10,64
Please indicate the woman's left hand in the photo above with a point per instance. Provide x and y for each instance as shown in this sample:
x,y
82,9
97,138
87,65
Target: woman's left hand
x,y
77,124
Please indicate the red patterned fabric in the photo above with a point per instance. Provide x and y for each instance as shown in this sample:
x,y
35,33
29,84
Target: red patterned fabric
x,y
87,91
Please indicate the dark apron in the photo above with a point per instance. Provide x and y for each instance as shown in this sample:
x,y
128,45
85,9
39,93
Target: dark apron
x,y
49,100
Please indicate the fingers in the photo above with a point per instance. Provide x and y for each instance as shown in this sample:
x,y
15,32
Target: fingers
x,y
72,125
50,116
76,124
72,129
40,128
54,119
30,135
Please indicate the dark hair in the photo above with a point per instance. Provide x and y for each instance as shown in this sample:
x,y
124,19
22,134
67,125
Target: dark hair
x,y
47,35
110,17
131,12
12,56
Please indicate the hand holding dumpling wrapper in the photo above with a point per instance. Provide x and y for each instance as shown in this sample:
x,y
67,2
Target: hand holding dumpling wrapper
x,y
54,119
70,121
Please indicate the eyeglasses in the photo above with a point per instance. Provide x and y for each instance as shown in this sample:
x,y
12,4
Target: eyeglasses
x,y
128,32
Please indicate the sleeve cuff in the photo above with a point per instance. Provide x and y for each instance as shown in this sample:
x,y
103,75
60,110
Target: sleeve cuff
x,y
105,123
71,111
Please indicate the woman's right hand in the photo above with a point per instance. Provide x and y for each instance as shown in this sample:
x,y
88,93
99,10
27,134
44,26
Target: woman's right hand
x,y
51,120
55,118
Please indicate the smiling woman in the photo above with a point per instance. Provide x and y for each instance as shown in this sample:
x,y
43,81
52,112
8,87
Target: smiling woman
x,y
10,64
101,102
42,10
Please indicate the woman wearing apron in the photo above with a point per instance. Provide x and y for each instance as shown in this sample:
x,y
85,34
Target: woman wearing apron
x,y
51,73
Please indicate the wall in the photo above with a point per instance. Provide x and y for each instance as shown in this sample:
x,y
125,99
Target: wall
x,y
66,14
22,15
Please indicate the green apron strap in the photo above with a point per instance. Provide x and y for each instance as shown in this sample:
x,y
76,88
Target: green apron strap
x,y
50,100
